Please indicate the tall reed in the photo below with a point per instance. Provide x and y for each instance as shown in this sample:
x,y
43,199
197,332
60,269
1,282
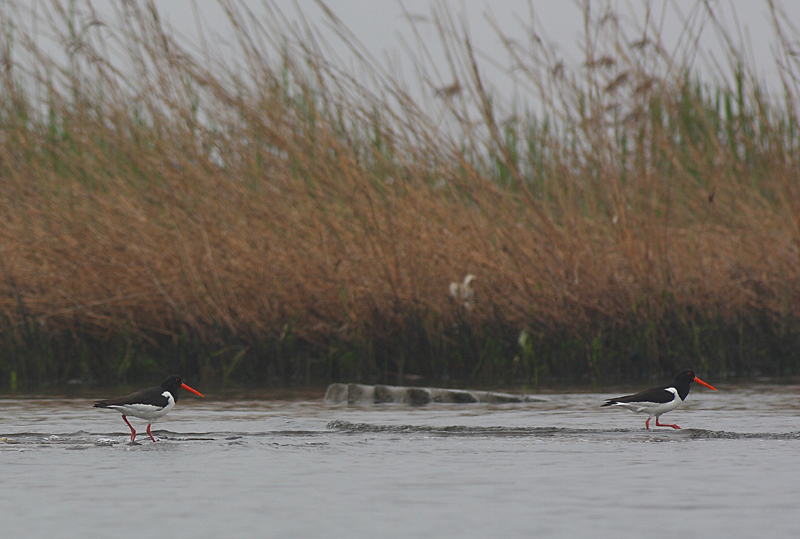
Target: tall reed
x,y
267,214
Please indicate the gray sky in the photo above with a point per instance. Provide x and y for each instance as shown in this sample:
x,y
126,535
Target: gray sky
x,y
381,26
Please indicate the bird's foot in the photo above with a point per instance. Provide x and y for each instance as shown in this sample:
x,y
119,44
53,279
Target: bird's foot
x,y
666,425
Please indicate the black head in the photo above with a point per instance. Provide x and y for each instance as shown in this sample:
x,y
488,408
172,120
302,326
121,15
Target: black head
x,y
174,383
684,379
686,376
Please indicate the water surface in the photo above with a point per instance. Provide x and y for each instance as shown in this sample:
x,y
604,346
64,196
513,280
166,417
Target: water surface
x,y
254,468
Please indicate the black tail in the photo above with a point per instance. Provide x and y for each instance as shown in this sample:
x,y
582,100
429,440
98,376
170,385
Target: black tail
x,y
100,404
609,402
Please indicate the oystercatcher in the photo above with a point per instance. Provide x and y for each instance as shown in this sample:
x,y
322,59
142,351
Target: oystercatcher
x,y
659,400
150,404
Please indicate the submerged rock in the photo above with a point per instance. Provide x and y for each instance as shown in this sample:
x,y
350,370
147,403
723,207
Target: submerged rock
x,y
417,396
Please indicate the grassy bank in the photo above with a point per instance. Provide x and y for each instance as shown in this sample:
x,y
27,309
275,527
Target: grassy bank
x,y
272,220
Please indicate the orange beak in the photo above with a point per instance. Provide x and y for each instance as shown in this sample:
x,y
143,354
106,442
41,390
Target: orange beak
x,y
187,388
696,379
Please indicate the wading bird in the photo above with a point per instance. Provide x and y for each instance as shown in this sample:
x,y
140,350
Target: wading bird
x,y
149,404
659,400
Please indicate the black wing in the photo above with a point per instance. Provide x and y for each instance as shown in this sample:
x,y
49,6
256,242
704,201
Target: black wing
x,y
654,394
151,395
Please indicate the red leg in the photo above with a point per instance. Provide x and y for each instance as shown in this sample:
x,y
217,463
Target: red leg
x,y
647,423
150,433
664,425
133,432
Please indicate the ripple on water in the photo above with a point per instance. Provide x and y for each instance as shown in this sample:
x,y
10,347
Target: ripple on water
x,y
283,438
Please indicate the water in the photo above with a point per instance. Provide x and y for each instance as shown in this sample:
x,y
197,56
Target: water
x,y
561,468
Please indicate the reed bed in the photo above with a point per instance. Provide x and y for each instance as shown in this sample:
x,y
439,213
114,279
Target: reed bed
x,y
265,214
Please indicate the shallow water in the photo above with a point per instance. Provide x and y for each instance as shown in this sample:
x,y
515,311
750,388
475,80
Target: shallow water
x,y
561,468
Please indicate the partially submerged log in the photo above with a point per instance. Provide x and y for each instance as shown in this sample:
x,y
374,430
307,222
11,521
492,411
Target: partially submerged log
x,y
377,394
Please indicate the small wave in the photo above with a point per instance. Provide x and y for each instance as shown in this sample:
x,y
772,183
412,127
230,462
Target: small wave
x,y
636,434
700,434
346,426
305,438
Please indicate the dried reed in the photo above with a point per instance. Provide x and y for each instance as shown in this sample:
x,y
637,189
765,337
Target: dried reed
x,y
280,217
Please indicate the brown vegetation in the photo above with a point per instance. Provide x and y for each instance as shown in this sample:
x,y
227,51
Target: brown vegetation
x,y
288,221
